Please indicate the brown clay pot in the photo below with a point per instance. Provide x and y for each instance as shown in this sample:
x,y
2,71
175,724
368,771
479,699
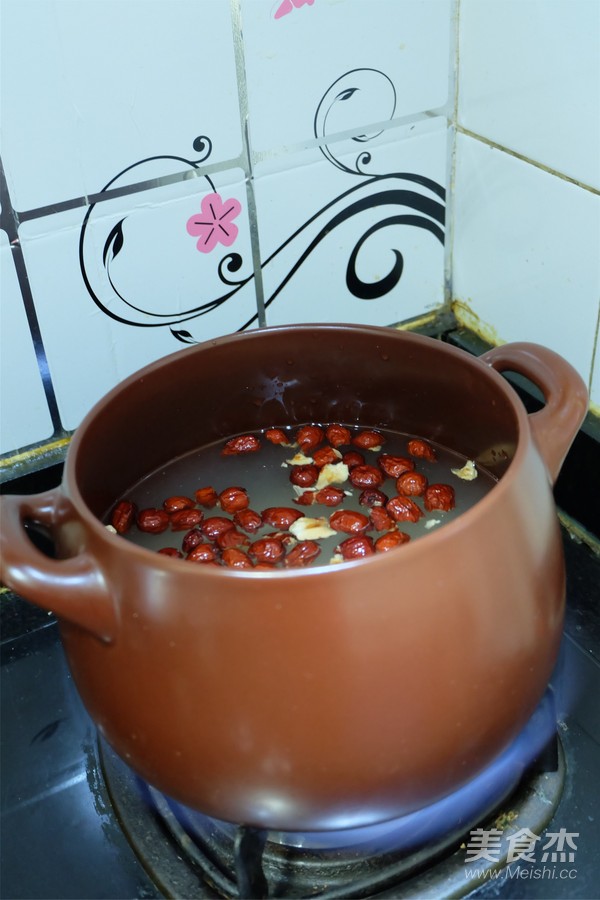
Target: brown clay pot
x,y
326,697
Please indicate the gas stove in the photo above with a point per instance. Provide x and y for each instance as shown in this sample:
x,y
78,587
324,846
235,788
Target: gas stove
x,y
77,823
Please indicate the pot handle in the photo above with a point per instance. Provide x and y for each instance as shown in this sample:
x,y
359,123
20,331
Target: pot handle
x,y
554,427
74,588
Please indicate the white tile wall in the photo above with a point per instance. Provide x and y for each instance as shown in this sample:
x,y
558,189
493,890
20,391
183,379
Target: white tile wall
x,y
314,211
148,278
525,255
294,61
25,416
530,80
115,93
92,87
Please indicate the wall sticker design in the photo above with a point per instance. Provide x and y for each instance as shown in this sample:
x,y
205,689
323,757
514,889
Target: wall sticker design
x,y
122,281
288,6
214,223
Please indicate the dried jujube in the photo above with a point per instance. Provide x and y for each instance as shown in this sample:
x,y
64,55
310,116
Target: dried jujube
x,y
364,476
368,440
394,466
411,484
421,449
439,496
183,519
123,516
403,509
233,499
348,521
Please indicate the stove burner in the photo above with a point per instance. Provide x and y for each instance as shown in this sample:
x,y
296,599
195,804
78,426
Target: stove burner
x,y
191,855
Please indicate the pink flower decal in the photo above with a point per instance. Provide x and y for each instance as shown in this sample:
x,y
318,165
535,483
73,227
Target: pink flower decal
x,y
288,6
213,225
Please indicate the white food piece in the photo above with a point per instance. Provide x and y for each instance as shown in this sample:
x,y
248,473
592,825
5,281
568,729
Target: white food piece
x,y
468,471
336,558
111,528
300,460
308,529
431,522
332,473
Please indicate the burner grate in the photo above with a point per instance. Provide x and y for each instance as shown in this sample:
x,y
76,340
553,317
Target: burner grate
x,y
190,855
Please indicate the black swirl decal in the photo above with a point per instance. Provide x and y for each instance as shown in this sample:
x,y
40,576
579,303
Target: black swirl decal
x,y
405,199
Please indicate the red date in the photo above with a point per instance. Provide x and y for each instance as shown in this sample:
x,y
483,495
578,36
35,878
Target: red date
x,y
191,540
439,496
326,455
280,517
330,496
421,450
234,558
309,437
206,497
170,551
403,509
231,537
365,476
267,550
306,498
174,504
372,497
183,519
276,436
233,499
202,553
394,466
302,554
368,440
353,458
338,435
390,540
356,547
381,519
349,522
123,516
212,527
245,443
411,484
153,521
248,520
304,476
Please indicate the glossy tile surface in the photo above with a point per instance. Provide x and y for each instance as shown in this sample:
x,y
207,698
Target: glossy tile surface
x,y
124,283
355,237
530,80
525,257
298,63
25,416
91,88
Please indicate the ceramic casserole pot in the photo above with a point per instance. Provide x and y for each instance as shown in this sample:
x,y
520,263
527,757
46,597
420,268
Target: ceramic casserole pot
x,y
328,696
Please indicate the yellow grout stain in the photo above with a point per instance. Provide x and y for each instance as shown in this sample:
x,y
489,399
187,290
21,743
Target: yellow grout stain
x,y
468,319
27,455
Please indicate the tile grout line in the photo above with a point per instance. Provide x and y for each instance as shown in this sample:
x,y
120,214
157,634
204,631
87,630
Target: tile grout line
x,y
453,87
246,159
240,66
10,225
520,156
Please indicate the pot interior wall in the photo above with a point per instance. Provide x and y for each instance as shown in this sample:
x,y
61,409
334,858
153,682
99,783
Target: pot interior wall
x,y
293,375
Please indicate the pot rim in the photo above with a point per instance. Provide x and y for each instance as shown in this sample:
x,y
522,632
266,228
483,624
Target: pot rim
x,y
413,548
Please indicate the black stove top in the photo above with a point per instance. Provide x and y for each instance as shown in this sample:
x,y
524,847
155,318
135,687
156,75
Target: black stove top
x,y
75,823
